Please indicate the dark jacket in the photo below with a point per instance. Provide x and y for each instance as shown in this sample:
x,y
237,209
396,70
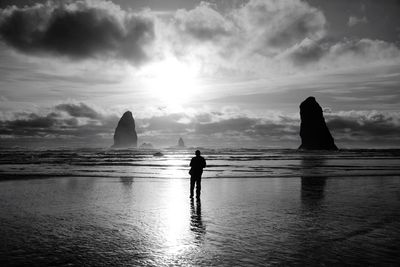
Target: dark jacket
x,y
197,164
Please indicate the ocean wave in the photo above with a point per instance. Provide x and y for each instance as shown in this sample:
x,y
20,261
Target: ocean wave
x,y
225,163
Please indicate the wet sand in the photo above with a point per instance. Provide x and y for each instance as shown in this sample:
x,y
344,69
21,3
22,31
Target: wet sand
x,y
152,222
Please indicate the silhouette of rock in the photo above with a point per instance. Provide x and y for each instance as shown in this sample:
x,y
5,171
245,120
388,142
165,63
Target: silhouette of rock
x,y
314,133
181,143
158,154
146,146
125,134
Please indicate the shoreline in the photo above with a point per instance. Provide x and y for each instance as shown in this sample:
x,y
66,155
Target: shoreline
x,y
136,222
17,177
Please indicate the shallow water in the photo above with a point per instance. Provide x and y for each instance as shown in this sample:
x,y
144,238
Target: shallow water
x,y
110,221
222,163
290,208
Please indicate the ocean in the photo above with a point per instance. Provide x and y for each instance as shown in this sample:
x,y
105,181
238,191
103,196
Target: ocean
x,y
222,163
259,207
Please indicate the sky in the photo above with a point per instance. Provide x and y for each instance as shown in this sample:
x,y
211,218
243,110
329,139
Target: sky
x,y
216,73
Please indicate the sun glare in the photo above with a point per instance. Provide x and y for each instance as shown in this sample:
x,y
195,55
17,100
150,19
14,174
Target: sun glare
x,y
172,81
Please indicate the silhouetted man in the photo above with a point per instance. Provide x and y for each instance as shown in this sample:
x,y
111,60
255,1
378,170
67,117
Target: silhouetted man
x,y
197,165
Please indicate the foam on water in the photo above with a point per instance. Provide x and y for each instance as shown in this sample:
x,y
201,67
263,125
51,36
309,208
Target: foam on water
x,y
126,207
222,163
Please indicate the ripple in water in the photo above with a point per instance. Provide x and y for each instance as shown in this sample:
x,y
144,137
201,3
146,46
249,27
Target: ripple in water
x,y
312,209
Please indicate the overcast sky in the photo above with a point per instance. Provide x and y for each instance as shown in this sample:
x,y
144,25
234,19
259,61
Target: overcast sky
x,y
217,73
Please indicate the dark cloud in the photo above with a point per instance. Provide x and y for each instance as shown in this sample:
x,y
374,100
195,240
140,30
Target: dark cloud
x,y
79,110
204,33
78,121
34,121
34,125
370,126
308,52
68,120
349,128
330,52
301,27
79,30
221,128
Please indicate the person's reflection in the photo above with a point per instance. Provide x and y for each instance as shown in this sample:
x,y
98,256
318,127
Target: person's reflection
x,y
127,185
126,181
312,182
312,188
196,223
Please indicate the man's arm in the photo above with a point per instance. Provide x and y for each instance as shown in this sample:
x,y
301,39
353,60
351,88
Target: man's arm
x,y
204,163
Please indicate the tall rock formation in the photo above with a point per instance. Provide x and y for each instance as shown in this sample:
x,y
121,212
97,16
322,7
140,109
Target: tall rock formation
x,y
125,134
181,143
314,133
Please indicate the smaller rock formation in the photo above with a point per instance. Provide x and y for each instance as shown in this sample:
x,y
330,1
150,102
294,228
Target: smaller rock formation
x,y
181,143
314,133
125,135
158,154
146,146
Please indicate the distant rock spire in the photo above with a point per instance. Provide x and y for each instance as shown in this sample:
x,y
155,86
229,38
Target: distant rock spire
x,y
181,143
314,133
125,134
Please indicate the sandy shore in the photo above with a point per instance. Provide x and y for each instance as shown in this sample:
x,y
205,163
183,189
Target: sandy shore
x,y
100,221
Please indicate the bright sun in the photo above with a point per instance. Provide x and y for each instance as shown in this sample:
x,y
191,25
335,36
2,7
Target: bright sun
x,y
172,81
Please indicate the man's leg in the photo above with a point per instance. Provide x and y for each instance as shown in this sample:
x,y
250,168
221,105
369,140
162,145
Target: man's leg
x,y
198,186
192,181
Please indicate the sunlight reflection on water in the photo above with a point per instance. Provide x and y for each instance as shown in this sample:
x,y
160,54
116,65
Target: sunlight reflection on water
x,y
173,168
176,218
299,221
304,211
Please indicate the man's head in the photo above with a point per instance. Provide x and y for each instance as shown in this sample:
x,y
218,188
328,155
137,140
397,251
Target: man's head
x,y
197,152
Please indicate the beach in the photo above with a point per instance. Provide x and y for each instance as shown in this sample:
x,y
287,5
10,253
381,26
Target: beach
x,y
294,106
284,221
309,219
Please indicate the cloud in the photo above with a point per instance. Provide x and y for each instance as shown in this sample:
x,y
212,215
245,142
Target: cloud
x,y
82,121
66,120
79,110
34,121
202,23
268,38
366,126
279,24
353,21
248,39
225,127
257,38
307,51
78,30
327,54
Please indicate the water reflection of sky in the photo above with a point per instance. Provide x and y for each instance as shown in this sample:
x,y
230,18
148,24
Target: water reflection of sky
x,y
139,222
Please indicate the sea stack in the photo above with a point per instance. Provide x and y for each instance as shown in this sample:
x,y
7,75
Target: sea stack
x,y
314,133
125,134
181,143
